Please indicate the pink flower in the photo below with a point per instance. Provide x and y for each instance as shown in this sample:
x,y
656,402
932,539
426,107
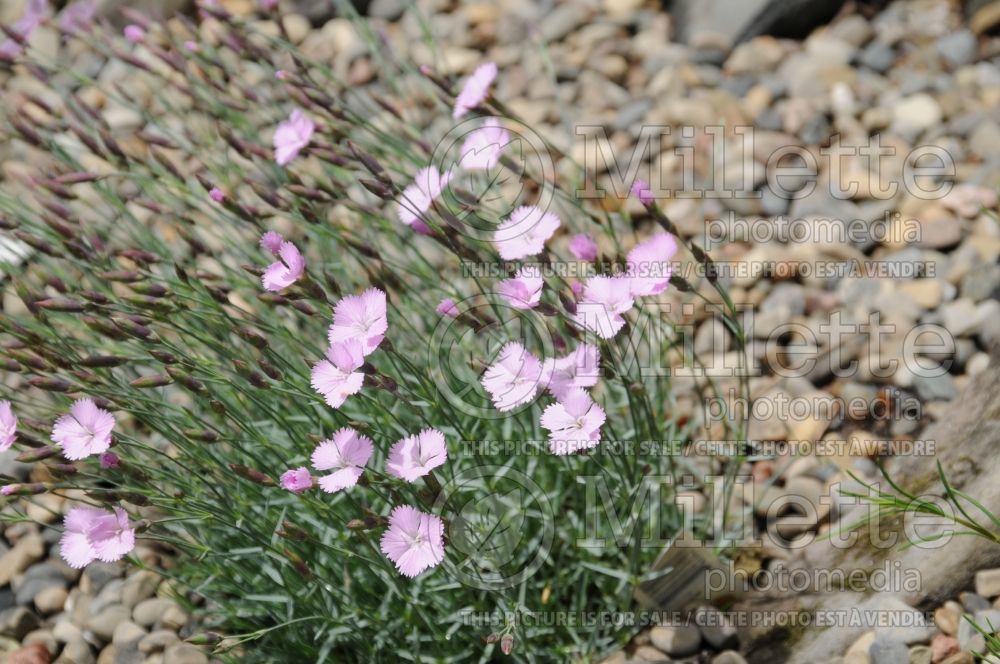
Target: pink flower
x,y
414,540
95,534
268,5
134,33
337,377
84,431
8,426
109,460
514,378
475,90
583,247
577,288
361,318
271,241
216,195
447,308
524,291
418,197
296,480
34,14
524,232
78,16
574,423
191,46
346,454
291,136
640,189
283,273
281,75
580,368
604,301
415,456
649,265
482,148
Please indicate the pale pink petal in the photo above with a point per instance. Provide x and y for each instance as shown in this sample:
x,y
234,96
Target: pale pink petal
x,y
524,291
334,384
650,266
447,308
414,541
75,550
417,198
361,318
296,480
291,136
482,148
84,431
339,480
8,426
524,232
604,300
583,247
271,241
415,456
514,379
475,90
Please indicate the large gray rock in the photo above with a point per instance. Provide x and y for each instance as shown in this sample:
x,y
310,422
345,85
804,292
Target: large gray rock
x,y
965,444
739,20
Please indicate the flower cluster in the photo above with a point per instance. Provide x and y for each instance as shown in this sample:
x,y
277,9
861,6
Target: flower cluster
x,y
359,326
90,533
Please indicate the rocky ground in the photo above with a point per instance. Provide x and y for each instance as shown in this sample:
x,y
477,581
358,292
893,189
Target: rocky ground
x,y
914,74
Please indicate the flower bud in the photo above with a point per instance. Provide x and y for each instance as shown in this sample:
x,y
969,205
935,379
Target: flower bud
x,y
164,357
187,380
63,469
23,489
147,382
103,361
203,435
256,339
30,456
251,474
124,276
52,384
507,644
204,639
63,304
376,188
293,532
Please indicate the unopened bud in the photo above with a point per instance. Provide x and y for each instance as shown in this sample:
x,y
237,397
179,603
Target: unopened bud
x,y
293,532
50,384
103,361
62,469
187,380
23,489
125,276
256,339
62,304
203,435
251,474
376,188
147,382
204,639
507,644
30,456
